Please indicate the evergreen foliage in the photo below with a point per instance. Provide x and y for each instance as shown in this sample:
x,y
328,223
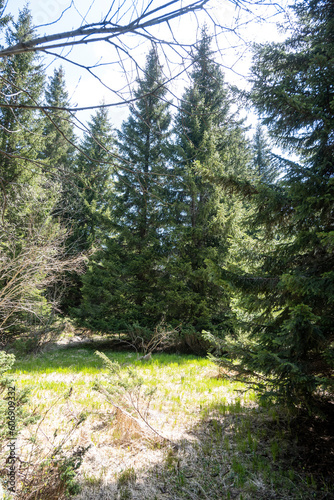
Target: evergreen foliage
x,y
27,196
59,154
292,294
122,284
59,146
90,191
264,164
208,140
166,234
31,238
4,20
171,226
22,83
94,168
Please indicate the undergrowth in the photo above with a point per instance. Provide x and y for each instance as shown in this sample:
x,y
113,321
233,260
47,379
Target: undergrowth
x,y
220,442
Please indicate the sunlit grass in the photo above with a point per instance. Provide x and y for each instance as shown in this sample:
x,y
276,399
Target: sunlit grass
x,y
179,378
237,448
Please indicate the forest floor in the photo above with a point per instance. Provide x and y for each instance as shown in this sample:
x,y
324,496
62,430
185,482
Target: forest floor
x,y
218,441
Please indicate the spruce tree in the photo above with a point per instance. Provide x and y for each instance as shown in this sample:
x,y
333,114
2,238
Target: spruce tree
x,y
59,154
122,287
22,82
292,294
29,236
59,144
94,170
4,20
21,137
264,164
208,140
90,188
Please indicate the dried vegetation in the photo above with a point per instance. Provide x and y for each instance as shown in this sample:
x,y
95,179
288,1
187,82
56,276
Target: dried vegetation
x,y
202,437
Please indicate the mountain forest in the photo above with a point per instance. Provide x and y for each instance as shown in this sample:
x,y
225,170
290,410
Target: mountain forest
x,y
183,239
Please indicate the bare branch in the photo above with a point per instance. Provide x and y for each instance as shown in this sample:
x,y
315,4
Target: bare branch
x,y
87,33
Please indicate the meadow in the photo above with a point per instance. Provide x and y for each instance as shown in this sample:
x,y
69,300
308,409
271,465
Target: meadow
x,y
171,427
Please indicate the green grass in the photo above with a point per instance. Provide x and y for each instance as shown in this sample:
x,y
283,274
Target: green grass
x,y
84,360
228,446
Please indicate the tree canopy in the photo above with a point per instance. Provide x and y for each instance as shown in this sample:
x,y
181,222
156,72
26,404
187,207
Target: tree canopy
x,y
183,219
291,294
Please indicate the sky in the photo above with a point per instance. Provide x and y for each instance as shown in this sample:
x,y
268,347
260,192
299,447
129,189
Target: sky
x,y
116,71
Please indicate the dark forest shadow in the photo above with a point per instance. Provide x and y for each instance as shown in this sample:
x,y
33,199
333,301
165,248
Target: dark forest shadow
x,y
235,452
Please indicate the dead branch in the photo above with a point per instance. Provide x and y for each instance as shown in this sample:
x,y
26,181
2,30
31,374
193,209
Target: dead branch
x,y
88,33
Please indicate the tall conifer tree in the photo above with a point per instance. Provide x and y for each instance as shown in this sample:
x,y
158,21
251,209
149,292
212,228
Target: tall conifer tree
x,y
22,84
21,137
123,287
59,154
90,188
207,140
94,169
28,232
292,295
59,149
264,163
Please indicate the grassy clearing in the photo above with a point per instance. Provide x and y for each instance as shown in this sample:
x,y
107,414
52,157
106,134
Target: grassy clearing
x,y
225,444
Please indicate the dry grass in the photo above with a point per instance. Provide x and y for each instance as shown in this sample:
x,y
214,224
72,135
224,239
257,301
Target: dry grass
x,y
224,444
